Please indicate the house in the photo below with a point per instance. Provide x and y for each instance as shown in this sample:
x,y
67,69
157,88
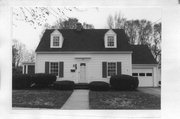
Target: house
x,y
85,55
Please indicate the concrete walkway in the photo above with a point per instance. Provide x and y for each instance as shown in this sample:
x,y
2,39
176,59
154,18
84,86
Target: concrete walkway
x,y
153,91
79,100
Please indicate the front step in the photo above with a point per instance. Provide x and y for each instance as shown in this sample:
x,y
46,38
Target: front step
x,y
81,86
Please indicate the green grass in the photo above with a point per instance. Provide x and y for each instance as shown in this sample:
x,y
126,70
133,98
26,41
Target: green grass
x,y
123,100
39,98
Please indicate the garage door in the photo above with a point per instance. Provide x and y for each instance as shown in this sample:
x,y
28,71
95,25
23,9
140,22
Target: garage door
x,y
145,77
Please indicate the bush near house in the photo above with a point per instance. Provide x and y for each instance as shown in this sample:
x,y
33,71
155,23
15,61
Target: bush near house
x,y
99,86
43,80
124,82
64,85
25,81
21,81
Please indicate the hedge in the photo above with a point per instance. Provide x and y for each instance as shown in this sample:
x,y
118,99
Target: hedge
x,y
25,81
64,85
42,80
124,82
99,86
21,81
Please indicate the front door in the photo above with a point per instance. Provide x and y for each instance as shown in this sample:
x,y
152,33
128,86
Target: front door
x,y
82,73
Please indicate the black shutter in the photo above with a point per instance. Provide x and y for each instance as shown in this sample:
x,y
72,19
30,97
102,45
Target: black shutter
x,y
61,69
118,68
24,69
47,67
104,69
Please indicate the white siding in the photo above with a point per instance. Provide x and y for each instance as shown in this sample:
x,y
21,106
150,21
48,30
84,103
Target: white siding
x,y
93,64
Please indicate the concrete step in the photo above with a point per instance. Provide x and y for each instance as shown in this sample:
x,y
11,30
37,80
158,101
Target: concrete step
x,y
81,86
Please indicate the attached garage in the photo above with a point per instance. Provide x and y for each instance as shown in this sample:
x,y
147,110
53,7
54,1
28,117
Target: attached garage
x,y
145,76
144,66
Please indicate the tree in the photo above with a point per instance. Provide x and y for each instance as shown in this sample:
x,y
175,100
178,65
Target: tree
x,y
131,29
21,54
17,52
116,22
139,32
145,32
70,23
87,26
156,45
110,22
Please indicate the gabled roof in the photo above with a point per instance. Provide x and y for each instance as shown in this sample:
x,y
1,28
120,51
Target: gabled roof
x,y
142,55
84,40
93,40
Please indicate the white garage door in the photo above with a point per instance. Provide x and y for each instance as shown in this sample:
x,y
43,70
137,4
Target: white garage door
x,y
145,77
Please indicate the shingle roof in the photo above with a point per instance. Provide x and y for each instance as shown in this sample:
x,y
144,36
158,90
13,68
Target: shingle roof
x,y
93,40
85,40
142,55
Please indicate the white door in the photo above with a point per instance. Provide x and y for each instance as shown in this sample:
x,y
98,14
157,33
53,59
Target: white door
x,y
145,77
82,73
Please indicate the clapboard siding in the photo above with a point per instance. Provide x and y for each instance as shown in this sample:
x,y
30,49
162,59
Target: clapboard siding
x,y
93,65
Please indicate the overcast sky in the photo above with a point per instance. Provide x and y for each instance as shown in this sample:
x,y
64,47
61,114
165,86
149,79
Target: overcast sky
x,y
97,16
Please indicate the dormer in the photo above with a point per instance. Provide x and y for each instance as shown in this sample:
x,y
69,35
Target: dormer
x,y
110,39
56,40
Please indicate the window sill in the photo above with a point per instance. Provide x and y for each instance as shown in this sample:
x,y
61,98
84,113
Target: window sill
x,y
55,47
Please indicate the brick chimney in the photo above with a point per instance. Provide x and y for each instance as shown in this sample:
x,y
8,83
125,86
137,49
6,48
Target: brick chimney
x,y
79,27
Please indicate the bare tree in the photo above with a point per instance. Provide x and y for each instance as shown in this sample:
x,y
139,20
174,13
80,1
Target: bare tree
x,y
110,22
156,45
17,51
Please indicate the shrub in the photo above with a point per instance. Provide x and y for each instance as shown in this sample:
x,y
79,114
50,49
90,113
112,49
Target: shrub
x,y
99,86
64,85
43,80
124,82
21,81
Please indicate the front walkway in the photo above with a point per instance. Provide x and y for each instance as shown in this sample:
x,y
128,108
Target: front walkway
x,y
153,91
78,100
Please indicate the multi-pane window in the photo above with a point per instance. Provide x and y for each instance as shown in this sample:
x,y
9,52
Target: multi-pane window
x,y
141,74
55,40
54,68
110,41
148,74
111,68
134,74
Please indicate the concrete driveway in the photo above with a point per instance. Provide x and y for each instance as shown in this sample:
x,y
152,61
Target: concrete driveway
x,y
152,91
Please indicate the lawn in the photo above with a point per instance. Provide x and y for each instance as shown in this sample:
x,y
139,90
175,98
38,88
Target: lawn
x,y
123,100
39,98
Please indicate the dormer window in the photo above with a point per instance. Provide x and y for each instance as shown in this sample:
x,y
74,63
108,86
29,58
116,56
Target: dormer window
x,y
56,39
110,39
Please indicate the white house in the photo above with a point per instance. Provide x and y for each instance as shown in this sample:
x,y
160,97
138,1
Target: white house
x,y
85,55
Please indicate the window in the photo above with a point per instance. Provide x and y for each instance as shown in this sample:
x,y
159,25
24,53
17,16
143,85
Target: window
x,y
54,68
141,74
55,40
148,74
110,41
111,68
134,74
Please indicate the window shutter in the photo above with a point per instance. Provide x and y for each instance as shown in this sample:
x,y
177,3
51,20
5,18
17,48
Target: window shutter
x,y
104,69
61,69
118,68
24,69
47,67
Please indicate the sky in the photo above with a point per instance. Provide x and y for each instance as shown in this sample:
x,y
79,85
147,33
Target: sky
x,y
25,33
